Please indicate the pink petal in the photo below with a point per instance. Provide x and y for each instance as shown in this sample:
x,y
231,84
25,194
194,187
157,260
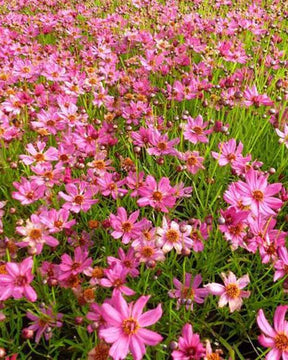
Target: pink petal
x,y
137,348
149,337
150,317
263,324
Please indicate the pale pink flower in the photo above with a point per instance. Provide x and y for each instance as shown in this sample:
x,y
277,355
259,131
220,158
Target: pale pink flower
x,y
231,292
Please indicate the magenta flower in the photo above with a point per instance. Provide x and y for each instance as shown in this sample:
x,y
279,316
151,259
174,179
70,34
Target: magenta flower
x,y
79,265
189,345
38,154
126,327
252,97
231,292
129,261
116,278
281,265
28,191
79,197
46,320
161,145
229,152
258,194
16,281
123,226
277,338
159,196
194,130
189,292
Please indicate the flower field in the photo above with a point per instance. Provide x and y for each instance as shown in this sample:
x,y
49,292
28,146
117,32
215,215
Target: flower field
x,y
143,180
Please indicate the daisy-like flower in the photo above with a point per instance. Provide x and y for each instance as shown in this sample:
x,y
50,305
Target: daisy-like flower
x,y
80,264
277,338
45,321
189,292
283,135
194,130
189,345
15,281
231,292
229,152
124,226
159,196
79,197
281,265
258,194
193,161
170,236
125,327
252,97
116,278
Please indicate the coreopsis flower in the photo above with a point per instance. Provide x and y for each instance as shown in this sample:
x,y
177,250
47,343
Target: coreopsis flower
x,y
170,236
274,338
193,161
125,227
189,292
252,97
125,327
229,152
258,194
160,145
80,264
283,135
78,198
189,345
43,323
115,277
28,191
281,265
35,235
38,154
231,292
148,252
127,260
194,130
159,196
15,281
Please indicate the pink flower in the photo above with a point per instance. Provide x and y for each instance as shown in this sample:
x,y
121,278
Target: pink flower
x,y
126,327
193,161
129,261
281,265
189,345
161,145
116,278
38,154
252,97
28,191
229,152
79,265
35,235
277,338
170,236
45,320
159,196
16,281
194,130
79,197
258,194
124,227
283,135
231,292
189,292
